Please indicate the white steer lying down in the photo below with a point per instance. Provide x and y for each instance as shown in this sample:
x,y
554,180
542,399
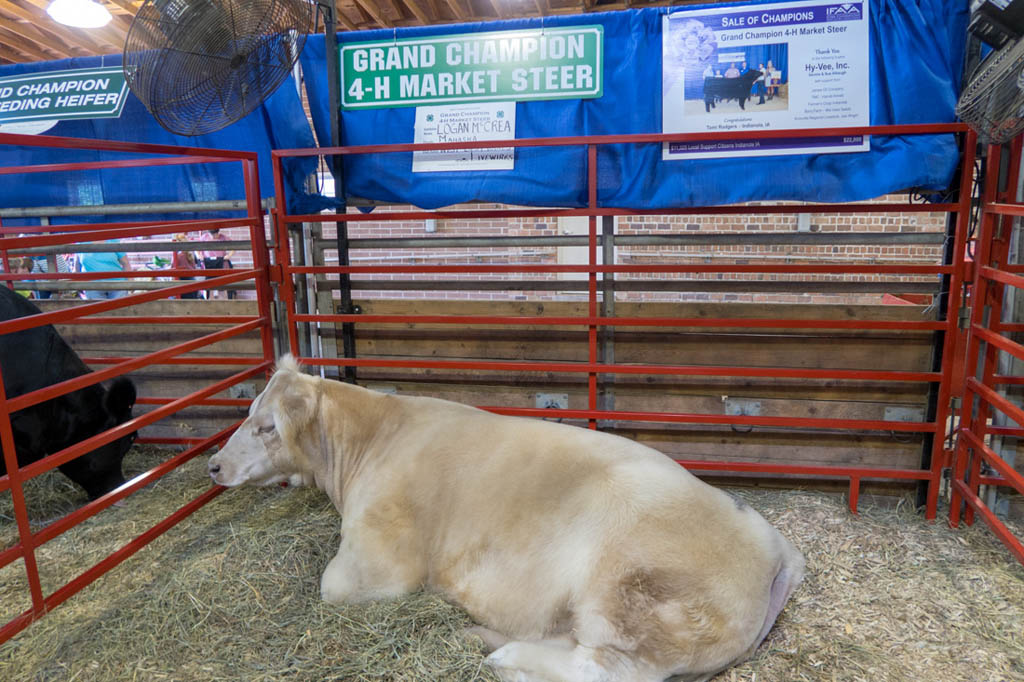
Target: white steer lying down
x,y
586,556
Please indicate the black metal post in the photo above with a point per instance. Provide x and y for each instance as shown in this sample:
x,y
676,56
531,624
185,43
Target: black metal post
x,y
348,338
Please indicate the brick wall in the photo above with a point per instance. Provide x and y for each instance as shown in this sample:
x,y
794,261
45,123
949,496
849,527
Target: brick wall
x,y
738,253
723,253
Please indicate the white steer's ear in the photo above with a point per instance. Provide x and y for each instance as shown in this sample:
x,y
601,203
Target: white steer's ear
x,y
295,404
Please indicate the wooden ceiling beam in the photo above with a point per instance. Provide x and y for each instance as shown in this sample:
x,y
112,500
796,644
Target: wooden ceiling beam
x,y
29,32
128,17
109,36
364,17
391,7
25,44
496,4
417,11
339,14
9,55
370,9
31,15
126,5
456,10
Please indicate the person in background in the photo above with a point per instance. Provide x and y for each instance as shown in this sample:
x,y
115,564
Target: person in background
x,y
732,71
185,260
103,261
709,98
759,87
773,79
41,264
22,266
215,259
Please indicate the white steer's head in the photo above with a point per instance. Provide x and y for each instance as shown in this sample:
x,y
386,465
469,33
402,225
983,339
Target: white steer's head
x,y
262,450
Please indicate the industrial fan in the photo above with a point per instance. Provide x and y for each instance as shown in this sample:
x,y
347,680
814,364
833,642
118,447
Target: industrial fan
x,y
992,102
199,65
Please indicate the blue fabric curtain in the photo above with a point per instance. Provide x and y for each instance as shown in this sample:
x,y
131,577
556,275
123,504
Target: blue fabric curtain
x,y
277,123
916,56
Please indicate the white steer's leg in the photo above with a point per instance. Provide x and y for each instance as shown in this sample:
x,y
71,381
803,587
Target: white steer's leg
x,y
491,638
340,580
553,661
366,568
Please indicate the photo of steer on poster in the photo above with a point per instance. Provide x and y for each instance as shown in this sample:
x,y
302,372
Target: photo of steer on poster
x,y
779,66
757,75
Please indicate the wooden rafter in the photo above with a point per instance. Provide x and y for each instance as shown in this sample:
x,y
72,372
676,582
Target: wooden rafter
x,y
13,38
456,10
417,11
41,22
35,35
105,35
365,21
391,7
374,12
126,5
10,56
339,14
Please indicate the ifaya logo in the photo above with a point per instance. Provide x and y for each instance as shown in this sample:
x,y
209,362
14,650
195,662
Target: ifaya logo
x,y
848,11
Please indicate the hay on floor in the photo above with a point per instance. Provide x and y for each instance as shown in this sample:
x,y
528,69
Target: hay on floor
x,y
232,593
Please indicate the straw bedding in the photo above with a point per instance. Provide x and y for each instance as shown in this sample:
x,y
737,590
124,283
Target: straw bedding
x,y
232,594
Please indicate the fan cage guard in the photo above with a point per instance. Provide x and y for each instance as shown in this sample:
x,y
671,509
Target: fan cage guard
x,y
993,102
200,65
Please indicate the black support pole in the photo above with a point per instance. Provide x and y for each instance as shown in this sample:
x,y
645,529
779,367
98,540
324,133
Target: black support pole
x,y
348,337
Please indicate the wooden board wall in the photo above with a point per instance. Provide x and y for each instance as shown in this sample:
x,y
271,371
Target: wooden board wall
x,y
171,381
819,349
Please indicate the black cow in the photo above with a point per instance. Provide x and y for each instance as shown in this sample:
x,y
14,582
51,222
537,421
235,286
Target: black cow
x,y
39,357
729,88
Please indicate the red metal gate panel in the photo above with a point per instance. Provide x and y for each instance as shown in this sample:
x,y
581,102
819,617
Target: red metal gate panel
x,y
981,392
29,540
593,322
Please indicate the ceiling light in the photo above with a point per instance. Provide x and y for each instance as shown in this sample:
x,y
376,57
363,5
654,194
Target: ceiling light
x,y
79,13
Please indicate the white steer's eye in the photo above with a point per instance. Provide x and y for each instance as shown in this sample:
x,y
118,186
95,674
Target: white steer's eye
x,y
264,430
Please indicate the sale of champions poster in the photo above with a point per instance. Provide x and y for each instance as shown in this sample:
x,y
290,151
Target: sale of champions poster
x,y
779,66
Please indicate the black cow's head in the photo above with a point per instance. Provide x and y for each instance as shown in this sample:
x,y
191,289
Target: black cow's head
x,y
99,471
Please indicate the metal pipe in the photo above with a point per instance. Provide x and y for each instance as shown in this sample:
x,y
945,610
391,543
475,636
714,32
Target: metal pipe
x,y
131,209
594,320
606,386
740,286
119,285
767,238
634,138
337,169
548,213
130,247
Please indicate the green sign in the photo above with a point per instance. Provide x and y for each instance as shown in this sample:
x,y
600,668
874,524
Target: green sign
x,y
552,63
78,93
